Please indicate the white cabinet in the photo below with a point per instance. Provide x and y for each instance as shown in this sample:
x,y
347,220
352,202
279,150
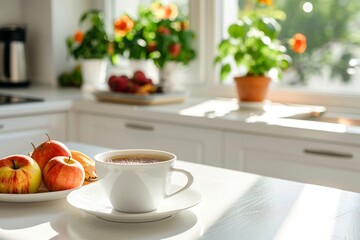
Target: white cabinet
x,y
17,134
313,162
188,143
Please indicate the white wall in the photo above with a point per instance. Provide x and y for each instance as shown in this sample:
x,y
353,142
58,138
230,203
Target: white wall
x,y
65,18
48,23
11,12
38,44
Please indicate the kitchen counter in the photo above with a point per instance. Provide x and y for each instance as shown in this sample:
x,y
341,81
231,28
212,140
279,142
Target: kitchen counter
x,y
251,207
54,100
222,114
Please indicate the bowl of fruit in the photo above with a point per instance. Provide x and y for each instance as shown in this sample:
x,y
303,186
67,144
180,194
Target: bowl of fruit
x,y
137,89
50,172
138,84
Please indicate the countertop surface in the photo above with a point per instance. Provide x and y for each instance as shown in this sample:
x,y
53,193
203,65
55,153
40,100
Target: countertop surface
x,y
234,205
215,113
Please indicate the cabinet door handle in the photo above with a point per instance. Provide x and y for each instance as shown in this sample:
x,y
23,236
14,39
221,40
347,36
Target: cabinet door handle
x,y
328,153
139,127
2,126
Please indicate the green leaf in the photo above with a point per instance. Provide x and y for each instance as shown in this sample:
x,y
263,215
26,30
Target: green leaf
x,y
239,57
238,30
218,59
225,71
270,27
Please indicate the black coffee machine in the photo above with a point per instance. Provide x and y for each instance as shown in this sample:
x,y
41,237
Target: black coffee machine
x,y
12,57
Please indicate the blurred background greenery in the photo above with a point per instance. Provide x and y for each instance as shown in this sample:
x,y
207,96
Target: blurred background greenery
x,y
332,28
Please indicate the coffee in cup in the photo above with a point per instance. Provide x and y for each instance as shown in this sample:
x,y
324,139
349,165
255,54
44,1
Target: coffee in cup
x,y
137,180
136,159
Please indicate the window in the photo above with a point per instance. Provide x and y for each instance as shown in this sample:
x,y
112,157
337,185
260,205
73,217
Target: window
x,y
329,72
119,7
331,64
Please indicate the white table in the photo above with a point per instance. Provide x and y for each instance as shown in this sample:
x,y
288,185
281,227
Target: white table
x,y
235,205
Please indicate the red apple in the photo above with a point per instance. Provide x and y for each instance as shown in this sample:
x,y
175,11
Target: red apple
x,y
112,82
47,150
132,87
122,83
139,77
19,174
62,173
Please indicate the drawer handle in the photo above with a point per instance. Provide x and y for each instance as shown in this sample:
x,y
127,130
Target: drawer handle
x,y
328,153
139,127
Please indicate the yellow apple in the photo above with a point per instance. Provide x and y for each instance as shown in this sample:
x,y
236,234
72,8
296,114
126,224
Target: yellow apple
x,y
19,174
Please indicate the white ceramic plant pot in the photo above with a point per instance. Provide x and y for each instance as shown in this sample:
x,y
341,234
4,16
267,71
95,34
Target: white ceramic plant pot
x,y
93,73
167,76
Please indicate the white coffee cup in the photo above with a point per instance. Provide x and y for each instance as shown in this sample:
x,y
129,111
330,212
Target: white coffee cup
x,y
135,186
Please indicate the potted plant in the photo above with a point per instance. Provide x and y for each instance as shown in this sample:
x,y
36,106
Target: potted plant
x,y
91,45
253,44
130,41
160,33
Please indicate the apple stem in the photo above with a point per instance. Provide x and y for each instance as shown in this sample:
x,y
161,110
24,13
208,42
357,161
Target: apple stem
x,y
47,136
33,146
68,160
13,162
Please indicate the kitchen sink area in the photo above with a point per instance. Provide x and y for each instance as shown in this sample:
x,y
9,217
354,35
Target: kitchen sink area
x,y
330,117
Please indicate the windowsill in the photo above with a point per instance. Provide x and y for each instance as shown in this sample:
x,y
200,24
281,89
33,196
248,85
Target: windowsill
x,y
336,102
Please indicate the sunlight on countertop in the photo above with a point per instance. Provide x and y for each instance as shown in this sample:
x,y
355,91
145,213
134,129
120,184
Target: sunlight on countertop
x,y
322,207
269,113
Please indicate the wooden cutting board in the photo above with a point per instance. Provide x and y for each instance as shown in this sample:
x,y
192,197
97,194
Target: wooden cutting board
x,y
150,99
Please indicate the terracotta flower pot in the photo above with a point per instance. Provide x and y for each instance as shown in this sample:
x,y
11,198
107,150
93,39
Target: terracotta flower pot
x,y
252,88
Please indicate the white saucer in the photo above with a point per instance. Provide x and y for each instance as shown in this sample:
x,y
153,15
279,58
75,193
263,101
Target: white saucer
x,y
91,199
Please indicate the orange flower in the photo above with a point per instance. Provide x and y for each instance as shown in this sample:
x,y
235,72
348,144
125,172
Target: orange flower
x,y
266,2
298,43
79,36
123,25
167,12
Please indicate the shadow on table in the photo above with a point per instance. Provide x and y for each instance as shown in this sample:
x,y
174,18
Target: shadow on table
x,y
85,226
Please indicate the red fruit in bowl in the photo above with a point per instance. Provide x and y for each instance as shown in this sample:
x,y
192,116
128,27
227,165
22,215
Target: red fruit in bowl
x,y
132,87
112,82
122,83
47,150
139,77
62,173
148,81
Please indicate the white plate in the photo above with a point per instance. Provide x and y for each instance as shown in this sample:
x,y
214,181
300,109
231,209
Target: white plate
x,y
91,199
34,197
